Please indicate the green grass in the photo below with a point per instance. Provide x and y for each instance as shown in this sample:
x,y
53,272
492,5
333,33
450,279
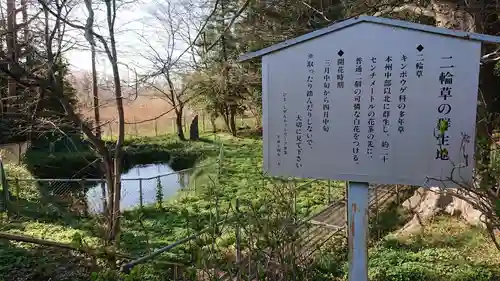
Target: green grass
x,y
446,251
150,228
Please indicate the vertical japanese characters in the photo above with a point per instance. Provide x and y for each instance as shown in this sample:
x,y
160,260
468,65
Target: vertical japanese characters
x,y
309,103
340,70
403,75
371,109
358,83
419,64
278,149
444,108
298,141
326,94
285,125
386,113
282,142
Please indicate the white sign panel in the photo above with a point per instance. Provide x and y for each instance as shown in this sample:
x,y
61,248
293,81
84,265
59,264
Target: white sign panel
x,y
372,103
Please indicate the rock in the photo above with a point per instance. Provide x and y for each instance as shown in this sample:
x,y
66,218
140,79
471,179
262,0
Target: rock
x,y
426,203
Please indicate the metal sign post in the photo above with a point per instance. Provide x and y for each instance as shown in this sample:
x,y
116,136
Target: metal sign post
x,y
348,109
357,223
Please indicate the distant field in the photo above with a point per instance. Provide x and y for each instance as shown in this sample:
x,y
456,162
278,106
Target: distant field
x,y
141,114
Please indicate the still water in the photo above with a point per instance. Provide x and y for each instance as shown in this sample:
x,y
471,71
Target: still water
x,y
170,181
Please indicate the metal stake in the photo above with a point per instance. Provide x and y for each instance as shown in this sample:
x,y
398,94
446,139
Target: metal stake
x,y
357,200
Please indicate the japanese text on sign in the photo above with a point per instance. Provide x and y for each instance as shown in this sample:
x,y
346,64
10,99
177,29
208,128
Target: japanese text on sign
x,y
309,102
382,113
371,109
386,113
444,108
358,83
403,75
326,94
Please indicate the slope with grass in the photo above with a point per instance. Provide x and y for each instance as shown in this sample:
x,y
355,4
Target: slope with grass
x,y
239,176
446,251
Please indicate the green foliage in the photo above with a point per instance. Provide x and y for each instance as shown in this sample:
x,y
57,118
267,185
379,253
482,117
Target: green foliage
x,y
159,194
41,114
265,204
82,163
21,261
497,207
393,264
447,251
241,177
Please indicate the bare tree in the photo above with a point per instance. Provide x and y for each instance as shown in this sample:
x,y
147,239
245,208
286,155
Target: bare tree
x,y
168,68
55,20
112,165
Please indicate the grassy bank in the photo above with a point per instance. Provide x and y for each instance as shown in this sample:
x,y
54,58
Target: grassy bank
x,y
79,161
446,251
217,188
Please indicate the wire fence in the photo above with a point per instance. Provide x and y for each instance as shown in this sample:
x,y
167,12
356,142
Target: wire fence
x,y
245,241
167,125
87,197
267,236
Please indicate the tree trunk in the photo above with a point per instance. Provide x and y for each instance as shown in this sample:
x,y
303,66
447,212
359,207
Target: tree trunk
x,y
95,94
97,119
232,119
225,116
213,123
113,58
11,53
178,124
427,203
108,173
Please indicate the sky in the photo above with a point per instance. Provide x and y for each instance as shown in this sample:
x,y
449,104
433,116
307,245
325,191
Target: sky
x,y
136,30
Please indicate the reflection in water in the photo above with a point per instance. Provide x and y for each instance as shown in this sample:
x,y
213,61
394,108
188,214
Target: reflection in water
x,y
131,188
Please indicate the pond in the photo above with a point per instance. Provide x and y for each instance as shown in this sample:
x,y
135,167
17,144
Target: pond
x,y
147,178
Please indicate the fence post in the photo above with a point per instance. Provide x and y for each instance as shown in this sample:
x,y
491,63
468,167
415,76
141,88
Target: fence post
x,y
238,241
194,184
397,194
104,199
82,186
19,152
203,122
135,127
346,214
295,201
376,210
329,191
173,125
18,191
141,197
156,127
5,187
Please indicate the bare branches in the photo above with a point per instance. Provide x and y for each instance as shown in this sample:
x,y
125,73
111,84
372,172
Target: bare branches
x,y
411,8
315,10
231,22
